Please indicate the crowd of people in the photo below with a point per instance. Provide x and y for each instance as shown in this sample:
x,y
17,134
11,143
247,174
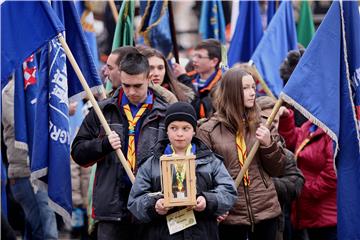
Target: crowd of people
x,y
156,108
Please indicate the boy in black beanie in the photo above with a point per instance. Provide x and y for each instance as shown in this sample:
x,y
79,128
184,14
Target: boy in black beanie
x,y
215,188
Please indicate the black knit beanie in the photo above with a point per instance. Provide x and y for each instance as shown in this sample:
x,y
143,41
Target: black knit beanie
x,y
180,111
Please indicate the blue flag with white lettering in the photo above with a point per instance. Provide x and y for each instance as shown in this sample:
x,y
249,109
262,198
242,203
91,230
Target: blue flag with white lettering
x,y
325,87
279,38
25,27
247,34
212,21
50,160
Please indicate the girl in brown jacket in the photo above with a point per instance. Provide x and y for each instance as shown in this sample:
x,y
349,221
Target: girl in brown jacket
x,y
231,133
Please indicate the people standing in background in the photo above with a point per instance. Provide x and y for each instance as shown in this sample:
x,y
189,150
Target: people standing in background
x,y
314,213
111,69
40,218
205,60
288,186
161,74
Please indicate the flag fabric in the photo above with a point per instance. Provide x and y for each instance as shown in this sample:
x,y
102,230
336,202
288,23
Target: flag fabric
x,y
305,28
248,33
85,11
325,87
155,26
22,38
124,31
79,47
279,38
50,158
234,16
25,99
271,9
212,21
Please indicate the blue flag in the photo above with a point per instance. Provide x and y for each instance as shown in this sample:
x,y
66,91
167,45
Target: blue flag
x,y
79,47
212,21
247,34
271,9
25,99
25,27
279,38
50,159
84,10
155,26
325,87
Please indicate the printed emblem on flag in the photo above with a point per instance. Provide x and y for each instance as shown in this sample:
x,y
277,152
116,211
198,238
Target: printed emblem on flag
x,y
30,69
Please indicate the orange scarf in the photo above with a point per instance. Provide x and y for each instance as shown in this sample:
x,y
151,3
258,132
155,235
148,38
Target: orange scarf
x,y
131,153
241,149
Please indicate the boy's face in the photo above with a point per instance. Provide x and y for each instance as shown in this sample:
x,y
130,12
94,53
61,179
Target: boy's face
x,y
180,134
202,62
135,87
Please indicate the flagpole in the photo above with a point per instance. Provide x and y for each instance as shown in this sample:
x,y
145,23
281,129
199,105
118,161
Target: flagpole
x,y
114,10
261,80
256,145
94,103
173,32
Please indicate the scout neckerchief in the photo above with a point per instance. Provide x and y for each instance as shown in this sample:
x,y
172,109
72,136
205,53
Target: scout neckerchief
x,y
208,84
241,149
169,150
312,130
132,121
203,86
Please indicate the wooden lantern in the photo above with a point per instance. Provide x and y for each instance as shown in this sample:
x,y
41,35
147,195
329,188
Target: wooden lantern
x,y
179,180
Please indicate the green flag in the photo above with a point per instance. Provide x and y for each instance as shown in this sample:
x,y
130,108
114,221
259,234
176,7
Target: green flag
x,y
305,28
124,31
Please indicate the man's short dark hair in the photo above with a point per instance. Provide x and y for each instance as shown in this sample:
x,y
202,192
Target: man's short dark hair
x,y
121,52
134,64
212,46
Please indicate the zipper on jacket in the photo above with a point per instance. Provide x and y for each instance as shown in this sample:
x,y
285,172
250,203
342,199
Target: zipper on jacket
x,y
248,204
263,178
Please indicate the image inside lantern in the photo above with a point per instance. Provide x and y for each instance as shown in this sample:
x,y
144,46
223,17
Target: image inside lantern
x,y
179,180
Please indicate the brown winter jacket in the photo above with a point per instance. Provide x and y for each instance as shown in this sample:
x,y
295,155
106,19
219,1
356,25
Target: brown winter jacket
x,y
259,200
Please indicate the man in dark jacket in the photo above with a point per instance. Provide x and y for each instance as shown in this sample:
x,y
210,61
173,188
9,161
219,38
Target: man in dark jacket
x,y
206,59
136,116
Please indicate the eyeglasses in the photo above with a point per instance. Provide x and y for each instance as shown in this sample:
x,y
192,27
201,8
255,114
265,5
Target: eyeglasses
x,y
199,56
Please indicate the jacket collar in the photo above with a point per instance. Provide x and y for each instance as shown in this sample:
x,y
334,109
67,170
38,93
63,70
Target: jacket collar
x,y
159,103
202,150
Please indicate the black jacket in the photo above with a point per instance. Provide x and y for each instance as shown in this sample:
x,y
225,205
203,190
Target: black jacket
x,y
212,181
202,98
112,186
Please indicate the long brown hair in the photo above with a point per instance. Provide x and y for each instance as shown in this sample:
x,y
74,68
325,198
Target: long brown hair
x,y
229,103
169,78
